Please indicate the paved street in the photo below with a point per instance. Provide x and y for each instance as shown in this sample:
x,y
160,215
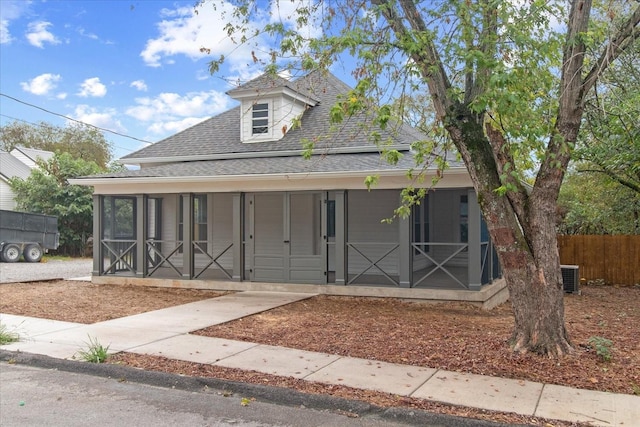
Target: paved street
x,y
35,397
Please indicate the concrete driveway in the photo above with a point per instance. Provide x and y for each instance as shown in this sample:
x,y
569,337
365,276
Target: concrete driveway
x,y
54,269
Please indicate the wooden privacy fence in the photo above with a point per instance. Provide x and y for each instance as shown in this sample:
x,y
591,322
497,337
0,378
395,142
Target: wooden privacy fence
x,y
616,259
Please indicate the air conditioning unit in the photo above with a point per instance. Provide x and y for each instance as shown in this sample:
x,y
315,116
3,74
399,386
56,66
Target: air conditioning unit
x,y
570,278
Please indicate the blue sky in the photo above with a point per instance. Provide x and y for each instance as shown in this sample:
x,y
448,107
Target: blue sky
x,y
131,66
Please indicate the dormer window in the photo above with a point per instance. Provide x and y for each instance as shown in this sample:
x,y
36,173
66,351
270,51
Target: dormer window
x,y
260,119
269,106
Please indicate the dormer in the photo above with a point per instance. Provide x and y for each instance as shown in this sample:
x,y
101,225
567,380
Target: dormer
x,y
269,105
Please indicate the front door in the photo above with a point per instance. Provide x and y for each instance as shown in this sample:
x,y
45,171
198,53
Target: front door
x,y
287,237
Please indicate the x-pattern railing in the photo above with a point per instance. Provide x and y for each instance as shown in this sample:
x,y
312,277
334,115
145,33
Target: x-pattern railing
x,y
371,263
439,265
154,249
121,254
213,258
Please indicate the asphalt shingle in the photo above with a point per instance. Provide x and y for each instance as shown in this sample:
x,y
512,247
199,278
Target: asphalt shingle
x,y
221,134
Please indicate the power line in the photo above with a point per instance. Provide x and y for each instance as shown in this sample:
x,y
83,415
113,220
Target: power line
x,y
75,120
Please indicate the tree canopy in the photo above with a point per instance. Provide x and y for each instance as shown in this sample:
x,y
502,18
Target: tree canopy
x,y
47,191
594,203
507,82
609,143
83,141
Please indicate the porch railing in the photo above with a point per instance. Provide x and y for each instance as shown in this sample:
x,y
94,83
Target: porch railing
x,y
372,261
200,247
159,254
421,249
119,256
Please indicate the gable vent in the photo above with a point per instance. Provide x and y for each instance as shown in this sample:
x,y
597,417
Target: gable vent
x,y
570,278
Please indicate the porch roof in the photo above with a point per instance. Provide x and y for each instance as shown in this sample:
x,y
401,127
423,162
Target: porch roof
x,y
332,163
288,173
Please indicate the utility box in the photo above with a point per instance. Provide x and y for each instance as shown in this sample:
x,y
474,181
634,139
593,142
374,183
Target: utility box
x,y
27,234
571,278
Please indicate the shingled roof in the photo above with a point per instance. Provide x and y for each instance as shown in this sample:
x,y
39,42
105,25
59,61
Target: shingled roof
x,y
220,135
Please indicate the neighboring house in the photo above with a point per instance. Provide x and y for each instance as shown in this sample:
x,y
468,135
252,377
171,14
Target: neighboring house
x,y
231,203
18,163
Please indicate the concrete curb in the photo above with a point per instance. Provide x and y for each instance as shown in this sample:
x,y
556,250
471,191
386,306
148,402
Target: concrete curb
x,y
267,394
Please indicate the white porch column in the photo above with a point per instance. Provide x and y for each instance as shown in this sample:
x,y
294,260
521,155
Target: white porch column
x,y
474,250
341,237
238,221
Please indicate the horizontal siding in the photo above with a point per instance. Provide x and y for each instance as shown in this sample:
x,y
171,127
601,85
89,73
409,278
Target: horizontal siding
x,y
6,197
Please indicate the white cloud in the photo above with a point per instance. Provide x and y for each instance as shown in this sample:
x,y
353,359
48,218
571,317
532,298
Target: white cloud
x,y
103,119
86,34
11,10
183,32
139,84
92,88
42,84
288,13
38,34
5,36
173,112
62,95
171,127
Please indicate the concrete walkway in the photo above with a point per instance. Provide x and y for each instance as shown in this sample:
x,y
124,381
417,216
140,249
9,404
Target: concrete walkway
x,y
166,333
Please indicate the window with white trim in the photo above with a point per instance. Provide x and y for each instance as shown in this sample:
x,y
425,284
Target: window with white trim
x,y
260,119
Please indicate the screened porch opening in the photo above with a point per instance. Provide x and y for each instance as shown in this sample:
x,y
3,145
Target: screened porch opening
x,y
372,245
118,238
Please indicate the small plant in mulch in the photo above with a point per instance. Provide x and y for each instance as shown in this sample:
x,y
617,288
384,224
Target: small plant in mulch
x,y
7,336
602,346
95,352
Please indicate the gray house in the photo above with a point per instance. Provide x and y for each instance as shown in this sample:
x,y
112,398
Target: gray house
x,y
231,203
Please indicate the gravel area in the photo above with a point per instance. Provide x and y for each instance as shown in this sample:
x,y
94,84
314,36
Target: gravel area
x,y
52,269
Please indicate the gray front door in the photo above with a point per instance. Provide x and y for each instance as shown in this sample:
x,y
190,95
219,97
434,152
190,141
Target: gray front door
x,y
288,237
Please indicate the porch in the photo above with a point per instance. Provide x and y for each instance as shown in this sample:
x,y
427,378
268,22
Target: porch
x,y
328,241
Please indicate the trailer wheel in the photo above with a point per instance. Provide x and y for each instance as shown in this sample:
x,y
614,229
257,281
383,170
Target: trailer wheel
x,y
11,253
32,253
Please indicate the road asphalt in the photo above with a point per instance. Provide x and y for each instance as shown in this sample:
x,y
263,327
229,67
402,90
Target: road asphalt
x,y
59,394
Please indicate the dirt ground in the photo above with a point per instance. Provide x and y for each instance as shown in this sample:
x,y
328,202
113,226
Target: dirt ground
x,y
449,336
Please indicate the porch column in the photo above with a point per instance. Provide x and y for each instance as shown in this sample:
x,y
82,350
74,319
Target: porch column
x,y
405,258
474,250
238,221
187,236
141,235
341,237
98,256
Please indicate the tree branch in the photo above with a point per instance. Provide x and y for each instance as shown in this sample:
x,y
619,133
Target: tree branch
x,y
570,106
614,176
427,57
625,36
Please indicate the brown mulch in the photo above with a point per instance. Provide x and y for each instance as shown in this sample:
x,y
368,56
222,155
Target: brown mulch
x,y
458,337
451,336
83,302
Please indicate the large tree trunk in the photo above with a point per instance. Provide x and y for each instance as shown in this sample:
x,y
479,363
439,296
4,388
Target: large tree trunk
x,y
521,224
536,291
523,232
